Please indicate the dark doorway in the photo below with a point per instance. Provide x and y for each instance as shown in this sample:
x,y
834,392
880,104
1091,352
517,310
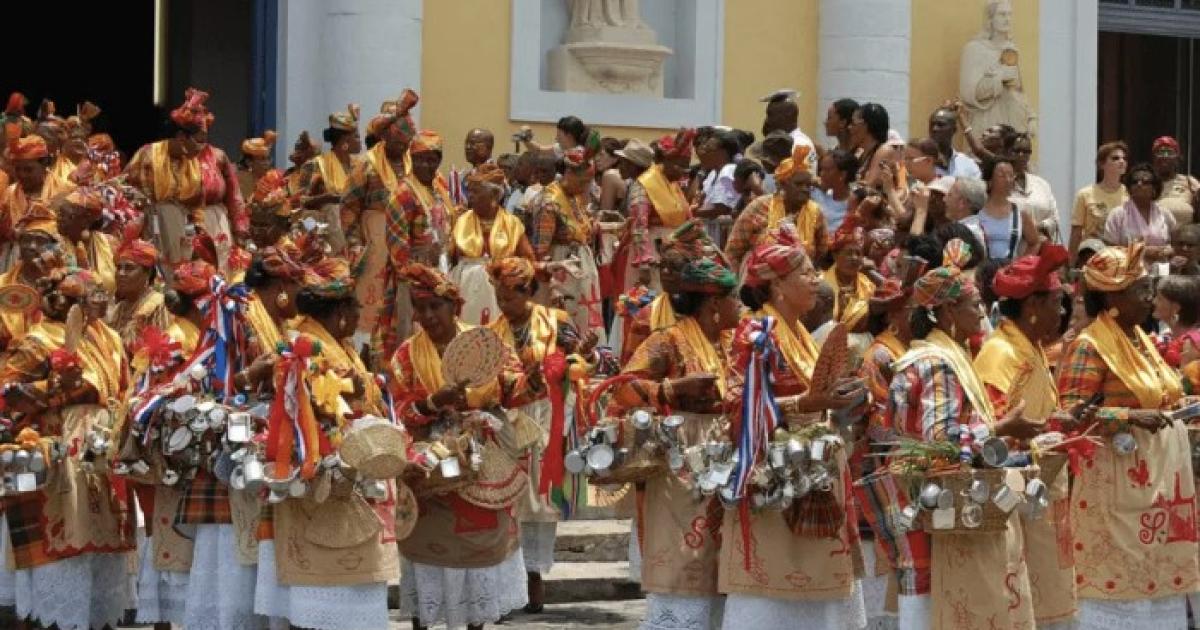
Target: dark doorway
x,y
1150,87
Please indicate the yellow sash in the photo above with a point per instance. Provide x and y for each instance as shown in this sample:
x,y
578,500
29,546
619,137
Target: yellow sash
x,y
96,253
1004,357
1149,377
333,174
342,360
807,219
662,314
573,212
378,159
939,344
186,333
427,365
63,167
889,340
858,306
797,346
173,182
503,239
702,350
101,354
262,325
543,332
666,196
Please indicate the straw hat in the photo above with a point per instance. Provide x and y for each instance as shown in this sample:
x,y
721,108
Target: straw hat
x,y
375,448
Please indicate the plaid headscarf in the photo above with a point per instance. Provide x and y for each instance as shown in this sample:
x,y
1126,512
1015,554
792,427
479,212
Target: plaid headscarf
x,y
689,241
425,282
1114,268
282,262
87,198
705,275
193,114
426,141
947,283
846,236
512,272
259,147
141,253
329,278
191,278
347,120
772,261
487,173
270,194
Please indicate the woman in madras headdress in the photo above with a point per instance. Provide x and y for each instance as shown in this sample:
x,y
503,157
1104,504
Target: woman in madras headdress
x,y
482,233
324,179
35,185
271,211
657,206
38,253
1133,506
73,155
462,562
1012,366
85,246
541,337
139,304
682,369
936,392
852,288
777,567
321,591
255,162
791,202
68,543
563,229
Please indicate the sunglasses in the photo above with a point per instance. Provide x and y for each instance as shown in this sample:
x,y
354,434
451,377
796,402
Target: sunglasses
x,y
1166,153
1022,151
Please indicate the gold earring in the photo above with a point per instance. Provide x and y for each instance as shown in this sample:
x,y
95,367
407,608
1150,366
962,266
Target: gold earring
x,y
1033,319
282,300
342,322
1113,312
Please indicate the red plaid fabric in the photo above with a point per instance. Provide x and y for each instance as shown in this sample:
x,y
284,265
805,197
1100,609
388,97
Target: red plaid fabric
x,y
205,502
25,530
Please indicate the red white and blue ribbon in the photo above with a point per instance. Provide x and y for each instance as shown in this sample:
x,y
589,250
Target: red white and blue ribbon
x,y
760,414
222,349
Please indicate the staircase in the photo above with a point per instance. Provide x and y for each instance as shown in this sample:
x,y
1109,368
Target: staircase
x,y
591,563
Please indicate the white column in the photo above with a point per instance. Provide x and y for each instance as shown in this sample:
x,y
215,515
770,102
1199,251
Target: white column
x,y
335,52
1067,34
864,55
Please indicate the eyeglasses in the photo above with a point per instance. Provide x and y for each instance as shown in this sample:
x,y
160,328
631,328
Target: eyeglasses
x,y
1023,151
1142,181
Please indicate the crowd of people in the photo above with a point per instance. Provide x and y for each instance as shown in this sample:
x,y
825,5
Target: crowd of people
x,y
195,352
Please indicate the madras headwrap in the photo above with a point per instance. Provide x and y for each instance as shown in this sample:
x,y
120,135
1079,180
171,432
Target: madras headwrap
x,y
889,295
270,194
87,198
1165,141
846,235
329,278
426,282
139,252
512,271
343,121
679,145
487,173
193,114
32,147
577,160
425,141
772,261
1114,268
798,163
259,147
947,283
1031,274
705,275
191,278
282,262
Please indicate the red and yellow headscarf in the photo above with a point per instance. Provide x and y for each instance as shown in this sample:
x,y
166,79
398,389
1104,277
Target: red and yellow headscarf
x,y
282,262
679,145
513,272
191,278
139,252
846,236
426,141
772,261
425,282
1114,268
259,147
947,283
32,147
329,278
487,173
193,114
798,163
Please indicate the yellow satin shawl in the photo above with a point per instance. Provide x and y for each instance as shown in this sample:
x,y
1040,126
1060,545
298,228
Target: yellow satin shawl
x,y
101,354
333,174
427,366
1007,359
185,332
261,324
377,156
503,238
63,167
662,314
173,180
708,356
573,212
96,253
797,347
807,220
666,196
858,306
342,360
543,333
1149,378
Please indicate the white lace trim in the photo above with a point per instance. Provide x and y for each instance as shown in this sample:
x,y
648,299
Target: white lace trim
x,y
1167,613
316,607
161,595
8,577
537,545
220,593
680,612
460,597
635,553
77,593
743,611
915,612
875,591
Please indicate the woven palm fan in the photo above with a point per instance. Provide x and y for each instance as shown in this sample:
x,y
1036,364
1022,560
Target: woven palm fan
x,y
341,523
831,363
475,356
500,482
18,298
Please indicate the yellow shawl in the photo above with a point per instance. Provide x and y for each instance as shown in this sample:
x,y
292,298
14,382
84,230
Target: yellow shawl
x,y
503,239
427,365
889,340
377,156
15,323
63,167
807,220
543,332
264,328
96,253
662,314
100,352
171,181
333,174
342,360
185,332
939,344
1008,358
1146,375
858,306
797,346
573,212
703,351
666,196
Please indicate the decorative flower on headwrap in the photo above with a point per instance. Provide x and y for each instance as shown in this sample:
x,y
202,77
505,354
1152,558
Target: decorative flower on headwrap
x,y
426,282
193,114
259,147
798,163
329,278
577,160
1031,274
347,120
846,236
947,283
191,278
426,141
31,147
679,145
396,112
772,261
487,173
1114,268
512,272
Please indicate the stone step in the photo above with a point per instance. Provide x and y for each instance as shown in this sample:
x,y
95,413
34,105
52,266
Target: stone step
x,y
592,540
590,581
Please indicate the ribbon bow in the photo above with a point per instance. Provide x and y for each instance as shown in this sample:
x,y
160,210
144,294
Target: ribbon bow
x,y
293,428
760,416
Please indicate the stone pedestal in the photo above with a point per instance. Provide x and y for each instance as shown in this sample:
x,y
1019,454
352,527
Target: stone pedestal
x,y
608,67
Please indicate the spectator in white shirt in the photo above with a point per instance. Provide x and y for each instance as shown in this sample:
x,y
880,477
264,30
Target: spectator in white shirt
x,y
942,127
783,114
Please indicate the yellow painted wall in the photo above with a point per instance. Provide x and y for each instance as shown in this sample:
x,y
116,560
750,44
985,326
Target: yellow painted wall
x,y
940,28
769,44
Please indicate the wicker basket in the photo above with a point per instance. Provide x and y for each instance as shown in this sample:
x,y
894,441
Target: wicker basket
x,y
434,483
993,520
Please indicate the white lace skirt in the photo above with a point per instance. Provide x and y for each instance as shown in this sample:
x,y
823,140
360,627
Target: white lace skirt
x,y
8,577
681,612
317,607
875,590
635,552
914,612
461,597
87,591
1167,613
537,545
220,590
161,595
475,285
744,611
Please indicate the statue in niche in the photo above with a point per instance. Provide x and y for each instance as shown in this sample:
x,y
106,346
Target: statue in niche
x,y
605,13
607,48
990,77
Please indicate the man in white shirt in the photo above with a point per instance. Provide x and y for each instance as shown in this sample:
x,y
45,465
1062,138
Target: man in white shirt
x,y
783,114
943,124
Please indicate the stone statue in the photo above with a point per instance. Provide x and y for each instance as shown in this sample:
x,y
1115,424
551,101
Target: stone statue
x,y
990,77
607,48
